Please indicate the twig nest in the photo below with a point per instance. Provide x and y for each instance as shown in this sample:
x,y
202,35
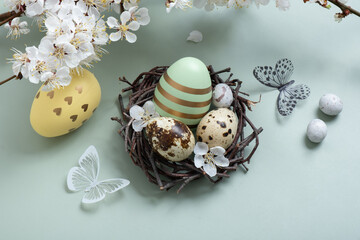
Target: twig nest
x,y
222,96
170,138
316,130
169,173
218,128
330,104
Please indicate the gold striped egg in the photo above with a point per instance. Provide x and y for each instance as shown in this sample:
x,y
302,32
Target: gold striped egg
x,y
60,111
184,91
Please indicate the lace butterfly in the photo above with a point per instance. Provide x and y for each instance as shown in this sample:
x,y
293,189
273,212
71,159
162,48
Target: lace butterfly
x,y
279,77
85,178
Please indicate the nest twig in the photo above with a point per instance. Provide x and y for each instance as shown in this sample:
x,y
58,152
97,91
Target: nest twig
x,y
164,173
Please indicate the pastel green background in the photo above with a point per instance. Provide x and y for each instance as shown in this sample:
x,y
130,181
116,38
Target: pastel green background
x,y
294,189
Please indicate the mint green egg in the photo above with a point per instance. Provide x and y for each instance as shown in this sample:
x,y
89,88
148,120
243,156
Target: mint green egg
x,y
184,91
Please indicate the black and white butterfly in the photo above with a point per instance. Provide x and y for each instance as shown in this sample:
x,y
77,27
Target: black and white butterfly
x,y
279,77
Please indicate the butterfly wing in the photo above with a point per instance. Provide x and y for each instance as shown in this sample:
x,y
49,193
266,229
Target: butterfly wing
x,y
80,178
267,76
275,77
284,69
98,192
289,96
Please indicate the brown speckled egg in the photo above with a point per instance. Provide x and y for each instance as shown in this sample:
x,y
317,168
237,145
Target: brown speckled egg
x,y
170,138
218,128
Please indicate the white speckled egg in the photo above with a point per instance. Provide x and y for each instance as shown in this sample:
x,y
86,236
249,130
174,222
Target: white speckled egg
x,y
218,128
170,138
330,104
222,96
316,130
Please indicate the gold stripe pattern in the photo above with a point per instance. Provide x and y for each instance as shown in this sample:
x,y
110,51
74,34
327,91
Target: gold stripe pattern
x,y
185,89
179,101
176,113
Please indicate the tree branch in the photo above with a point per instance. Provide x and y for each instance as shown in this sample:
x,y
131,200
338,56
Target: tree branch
x,y
8,16
6,80
344,8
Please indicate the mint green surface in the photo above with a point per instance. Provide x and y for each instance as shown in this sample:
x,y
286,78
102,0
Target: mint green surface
x,y
295,190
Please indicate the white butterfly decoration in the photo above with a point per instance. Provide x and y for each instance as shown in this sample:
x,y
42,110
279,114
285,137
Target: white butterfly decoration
x,y
85,178
279,78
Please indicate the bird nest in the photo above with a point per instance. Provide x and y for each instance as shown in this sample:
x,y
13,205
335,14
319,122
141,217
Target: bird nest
x,y
167,174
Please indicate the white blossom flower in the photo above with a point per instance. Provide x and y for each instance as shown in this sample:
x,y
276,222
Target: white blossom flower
x,y
62,49
182,4
99,35
16,28
34,8
128,3
57,79
15,5
140,15
20,63
142,115
56,26
208,160
123,28
38,64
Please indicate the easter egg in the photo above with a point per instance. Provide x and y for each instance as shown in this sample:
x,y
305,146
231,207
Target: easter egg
x,y
218,128
222,96
330,104
184,91
316,130
60,111
170,138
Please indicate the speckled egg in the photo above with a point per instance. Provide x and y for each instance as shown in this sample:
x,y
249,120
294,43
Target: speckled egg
x,y
218,128
330,104
60,111
170,138
316,130
184,91
222,96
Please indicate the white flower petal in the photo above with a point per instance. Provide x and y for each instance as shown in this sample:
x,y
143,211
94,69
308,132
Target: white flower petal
x,y
221,161
134,26
138,125
201,148
130,37
149,107
15,21
34,9
125,17
195,36
217,150
198,161
210,169
112,22
115,36
137,112
46,76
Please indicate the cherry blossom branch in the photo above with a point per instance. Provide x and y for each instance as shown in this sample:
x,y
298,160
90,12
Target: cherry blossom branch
x,y
8,16
346,10
10,78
